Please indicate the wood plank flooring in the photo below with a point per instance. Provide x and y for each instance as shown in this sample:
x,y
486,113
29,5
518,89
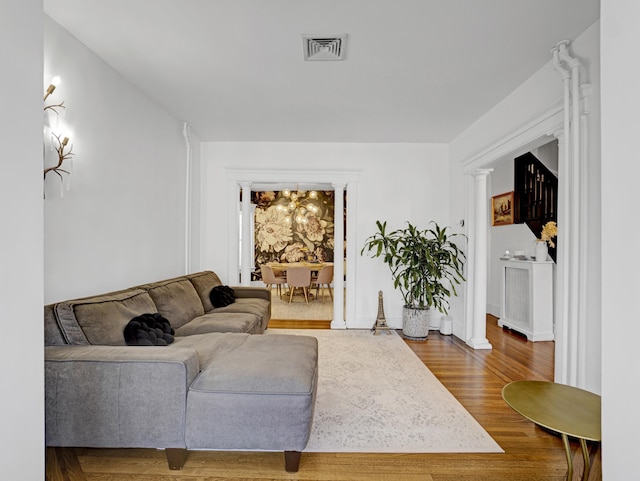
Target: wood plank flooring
x,y
475,378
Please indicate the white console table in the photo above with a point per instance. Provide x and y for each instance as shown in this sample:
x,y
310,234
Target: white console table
x,y
527,298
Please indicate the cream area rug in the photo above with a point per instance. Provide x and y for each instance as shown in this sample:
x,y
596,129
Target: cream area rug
x,y
376,396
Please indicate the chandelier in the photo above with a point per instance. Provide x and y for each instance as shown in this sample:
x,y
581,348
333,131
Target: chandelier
x,y
299,204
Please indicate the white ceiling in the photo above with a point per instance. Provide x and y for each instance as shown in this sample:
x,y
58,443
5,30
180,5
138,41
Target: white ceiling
x,y
415,70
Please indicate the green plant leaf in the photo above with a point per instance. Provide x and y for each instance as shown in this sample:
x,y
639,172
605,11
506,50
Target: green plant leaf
x,y
425,265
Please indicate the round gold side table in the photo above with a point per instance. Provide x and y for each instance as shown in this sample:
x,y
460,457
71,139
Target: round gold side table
x,y
564,409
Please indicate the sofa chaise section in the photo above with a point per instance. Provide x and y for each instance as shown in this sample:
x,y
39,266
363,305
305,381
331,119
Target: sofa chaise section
x,y
207,390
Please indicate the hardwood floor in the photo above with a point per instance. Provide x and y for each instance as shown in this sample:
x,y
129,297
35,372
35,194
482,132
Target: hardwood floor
x,y
475,378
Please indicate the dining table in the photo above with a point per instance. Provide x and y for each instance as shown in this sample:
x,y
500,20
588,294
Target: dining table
x,y
281,267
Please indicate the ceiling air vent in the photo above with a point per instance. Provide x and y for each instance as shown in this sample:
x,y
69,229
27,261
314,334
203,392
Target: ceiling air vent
x,y
324,47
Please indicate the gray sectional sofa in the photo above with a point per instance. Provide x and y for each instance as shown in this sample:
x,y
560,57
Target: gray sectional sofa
x,y
219,386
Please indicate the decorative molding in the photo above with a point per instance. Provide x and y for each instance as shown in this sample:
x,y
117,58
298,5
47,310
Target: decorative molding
x,y
292,176
529,136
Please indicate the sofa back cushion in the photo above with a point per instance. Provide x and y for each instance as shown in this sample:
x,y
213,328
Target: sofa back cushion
x,y
203,282
176,299
53,335
101,319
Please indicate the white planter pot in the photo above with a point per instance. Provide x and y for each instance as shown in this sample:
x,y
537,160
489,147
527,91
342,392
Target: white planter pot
x,y
415,322
542,250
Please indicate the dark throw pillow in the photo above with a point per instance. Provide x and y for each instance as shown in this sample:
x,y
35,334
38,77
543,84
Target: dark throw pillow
x,y
148,330
222,296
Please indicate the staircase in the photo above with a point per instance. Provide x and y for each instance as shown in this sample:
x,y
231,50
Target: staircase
x,y
536,194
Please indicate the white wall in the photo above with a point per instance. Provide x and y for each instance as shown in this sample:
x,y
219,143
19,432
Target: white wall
x,y
21,278
620,230
196,195
539,94
548,155
397,182
122,221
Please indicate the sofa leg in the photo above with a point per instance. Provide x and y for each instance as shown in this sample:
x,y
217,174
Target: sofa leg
x,y
176,457
292,461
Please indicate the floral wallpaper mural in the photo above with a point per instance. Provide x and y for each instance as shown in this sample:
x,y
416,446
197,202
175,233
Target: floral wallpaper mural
x,y
291,226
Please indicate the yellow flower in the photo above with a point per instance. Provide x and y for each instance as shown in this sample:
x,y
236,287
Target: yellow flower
x,y
549,231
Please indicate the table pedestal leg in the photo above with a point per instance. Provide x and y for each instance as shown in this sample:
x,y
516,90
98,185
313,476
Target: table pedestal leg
x,y
567,450
585,456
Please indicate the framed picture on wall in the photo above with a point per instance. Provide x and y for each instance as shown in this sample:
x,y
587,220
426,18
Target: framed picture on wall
x,y
502,209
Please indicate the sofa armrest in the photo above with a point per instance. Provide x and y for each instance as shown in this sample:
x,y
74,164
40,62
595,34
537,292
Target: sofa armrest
x,y
117,396
252,291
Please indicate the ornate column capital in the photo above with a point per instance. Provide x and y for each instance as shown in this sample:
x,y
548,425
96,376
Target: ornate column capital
x,y
481,173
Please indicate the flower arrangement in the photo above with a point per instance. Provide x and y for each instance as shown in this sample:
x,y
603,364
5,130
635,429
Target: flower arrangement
x,y
549,231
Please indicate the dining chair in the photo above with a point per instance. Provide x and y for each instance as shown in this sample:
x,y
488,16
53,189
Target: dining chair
x,y
299,277
324,278
270,279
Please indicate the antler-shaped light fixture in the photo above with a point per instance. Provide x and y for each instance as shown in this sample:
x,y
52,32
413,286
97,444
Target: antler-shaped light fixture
x,y
62,156
61,149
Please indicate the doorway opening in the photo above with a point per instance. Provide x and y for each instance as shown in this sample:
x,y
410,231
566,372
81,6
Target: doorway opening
x,y
345,253
293,226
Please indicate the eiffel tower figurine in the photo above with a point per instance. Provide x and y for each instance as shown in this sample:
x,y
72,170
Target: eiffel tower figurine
x,y
381,322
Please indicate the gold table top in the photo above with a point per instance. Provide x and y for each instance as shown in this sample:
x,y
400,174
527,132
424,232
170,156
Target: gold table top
x,y
558,407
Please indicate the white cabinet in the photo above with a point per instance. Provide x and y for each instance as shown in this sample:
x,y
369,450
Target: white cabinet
x,y
527,298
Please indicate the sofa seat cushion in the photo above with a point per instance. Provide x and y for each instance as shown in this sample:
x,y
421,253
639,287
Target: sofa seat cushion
x,y
257,392
176,299
101,319
253,305
221,322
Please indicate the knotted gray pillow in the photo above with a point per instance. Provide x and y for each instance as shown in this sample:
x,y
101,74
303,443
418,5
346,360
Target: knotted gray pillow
x,y
148,330
222,296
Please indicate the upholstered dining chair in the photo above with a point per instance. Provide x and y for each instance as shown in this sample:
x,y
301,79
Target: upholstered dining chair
x,y
299,277
270,279
324,278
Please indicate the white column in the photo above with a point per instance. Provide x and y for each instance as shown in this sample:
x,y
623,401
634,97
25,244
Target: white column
x,y
338,258
479,320
573,243
561,311
247,222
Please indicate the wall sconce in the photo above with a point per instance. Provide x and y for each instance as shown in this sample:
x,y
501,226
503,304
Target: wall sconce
x,y
55,81
62,156
63,147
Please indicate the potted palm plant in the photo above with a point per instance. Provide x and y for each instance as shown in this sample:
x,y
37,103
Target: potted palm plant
x,y
426,265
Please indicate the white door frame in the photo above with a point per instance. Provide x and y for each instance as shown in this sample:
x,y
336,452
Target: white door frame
x,y
528,137
337,179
